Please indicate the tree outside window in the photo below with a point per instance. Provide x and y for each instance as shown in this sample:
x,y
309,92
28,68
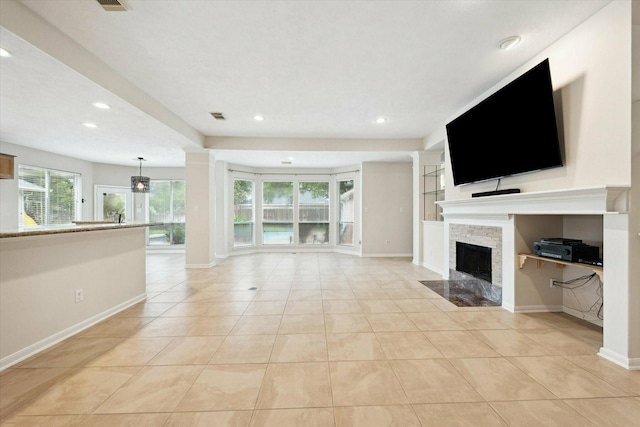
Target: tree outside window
x,y
167,204
243,212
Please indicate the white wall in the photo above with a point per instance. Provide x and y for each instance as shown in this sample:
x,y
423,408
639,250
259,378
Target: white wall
x,y
387,209
9,192
591,67
434,247
37,303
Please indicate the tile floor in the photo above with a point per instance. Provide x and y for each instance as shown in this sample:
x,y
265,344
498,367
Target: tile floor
x,y
324,340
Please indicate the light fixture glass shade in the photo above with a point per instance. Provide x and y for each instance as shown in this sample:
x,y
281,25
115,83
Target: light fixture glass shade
x,y
140,184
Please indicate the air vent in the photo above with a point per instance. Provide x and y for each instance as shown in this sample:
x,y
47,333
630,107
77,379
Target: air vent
x,y
113,5
218,116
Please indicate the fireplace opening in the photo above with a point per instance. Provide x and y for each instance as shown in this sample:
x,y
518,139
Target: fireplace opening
x,y
474,260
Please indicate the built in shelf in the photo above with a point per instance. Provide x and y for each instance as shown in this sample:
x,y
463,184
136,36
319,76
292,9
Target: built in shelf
x,y
540,261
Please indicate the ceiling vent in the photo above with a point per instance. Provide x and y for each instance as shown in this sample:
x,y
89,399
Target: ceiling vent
x,y
113,5
218,116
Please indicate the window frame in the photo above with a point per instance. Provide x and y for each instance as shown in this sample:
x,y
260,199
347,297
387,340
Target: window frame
x,y
171,225
46,190
327,239
252,220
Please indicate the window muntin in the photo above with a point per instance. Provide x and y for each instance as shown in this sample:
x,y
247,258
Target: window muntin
x,y
243,212
313,213
277,213
167,204
346,212
48,197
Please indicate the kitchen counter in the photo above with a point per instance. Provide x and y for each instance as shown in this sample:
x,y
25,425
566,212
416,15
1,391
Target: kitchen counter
x,y
56,282
80,226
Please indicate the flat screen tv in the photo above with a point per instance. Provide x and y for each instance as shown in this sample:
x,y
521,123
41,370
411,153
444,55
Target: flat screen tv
x,y
513,131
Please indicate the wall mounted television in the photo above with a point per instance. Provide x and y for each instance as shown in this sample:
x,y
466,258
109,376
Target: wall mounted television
x,y
511,132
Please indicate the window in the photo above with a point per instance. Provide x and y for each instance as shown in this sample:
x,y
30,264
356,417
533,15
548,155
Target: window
x,y
313,213
346,213
48,197
167,205
277,213
242,212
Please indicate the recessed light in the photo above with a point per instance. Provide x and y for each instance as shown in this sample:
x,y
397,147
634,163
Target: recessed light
x,y
101,105
381,119
509,42
258,117
90,125
5,53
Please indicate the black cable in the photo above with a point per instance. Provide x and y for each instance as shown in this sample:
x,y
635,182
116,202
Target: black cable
x,y
586,280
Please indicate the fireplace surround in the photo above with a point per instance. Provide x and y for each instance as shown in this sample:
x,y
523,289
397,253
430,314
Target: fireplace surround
x,y
489,284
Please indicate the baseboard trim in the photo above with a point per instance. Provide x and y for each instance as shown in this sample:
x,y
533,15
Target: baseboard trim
x,y
632,364
387,255
536,309
434,269
44,344
211,264
582,316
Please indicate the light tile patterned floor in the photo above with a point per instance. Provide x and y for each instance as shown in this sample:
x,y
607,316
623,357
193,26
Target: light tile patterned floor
x,y
324,340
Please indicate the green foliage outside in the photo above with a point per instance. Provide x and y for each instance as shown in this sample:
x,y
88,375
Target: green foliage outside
x,y
346,186
60,203
178,234
277,190
242,195
112,205
318,190
167,204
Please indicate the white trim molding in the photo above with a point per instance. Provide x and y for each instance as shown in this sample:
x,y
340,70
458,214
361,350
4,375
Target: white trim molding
x,y
44,344
585,201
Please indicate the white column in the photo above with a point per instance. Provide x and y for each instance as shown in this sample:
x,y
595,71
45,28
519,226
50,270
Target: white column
x,y
620,300
200,226
224,201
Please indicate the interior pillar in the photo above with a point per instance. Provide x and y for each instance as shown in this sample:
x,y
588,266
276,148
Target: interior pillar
x,y
200,195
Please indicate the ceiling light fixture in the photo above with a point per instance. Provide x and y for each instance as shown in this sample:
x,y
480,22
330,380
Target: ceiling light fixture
x,y
509,42
140,184
5,53
101,105
381,119
90,125
258,117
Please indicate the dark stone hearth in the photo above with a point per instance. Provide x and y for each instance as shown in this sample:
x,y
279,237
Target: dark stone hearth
x,y
462,293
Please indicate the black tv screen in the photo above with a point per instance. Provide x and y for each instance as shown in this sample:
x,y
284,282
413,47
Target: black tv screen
x,y
511,132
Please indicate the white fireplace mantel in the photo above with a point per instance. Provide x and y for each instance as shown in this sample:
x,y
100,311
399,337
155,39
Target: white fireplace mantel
x,y
584,201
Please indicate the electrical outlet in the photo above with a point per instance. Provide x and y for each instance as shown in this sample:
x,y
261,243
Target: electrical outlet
x,y
79,295
552,282
386,242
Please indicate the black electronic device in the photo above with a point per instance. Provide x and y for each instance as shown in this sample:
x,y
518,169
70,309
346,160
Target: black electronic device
x,y
591,261
496,192
571,252
511,132
561,241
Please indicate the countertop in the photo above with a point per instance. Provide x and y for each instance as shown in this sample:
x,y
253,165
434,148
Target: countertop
x,y
80,226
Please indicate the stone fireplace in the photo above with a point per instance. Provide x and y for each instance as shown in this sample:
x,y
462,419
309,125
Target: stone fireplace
x,y
479,266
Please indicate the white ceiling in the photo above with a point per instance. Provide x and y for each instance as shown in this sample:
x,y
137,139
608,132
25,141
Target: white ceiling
x,y
314,69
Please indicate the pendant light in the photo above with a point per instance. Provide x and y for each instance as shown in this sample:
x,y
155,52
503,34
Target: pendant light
x,y
140,184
